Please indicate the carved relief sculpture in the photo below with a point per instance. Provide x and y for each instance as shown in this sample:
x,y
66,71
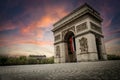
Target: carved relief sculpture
x,y
83,45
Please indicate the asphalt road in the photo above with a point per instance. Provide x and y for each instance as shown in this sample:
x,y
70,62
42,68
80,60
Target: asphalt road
x,y
99,70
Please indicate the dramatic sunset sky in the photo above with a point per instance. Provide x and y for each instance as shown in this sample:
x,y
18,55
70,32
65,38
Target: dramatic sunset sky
x,y
25,25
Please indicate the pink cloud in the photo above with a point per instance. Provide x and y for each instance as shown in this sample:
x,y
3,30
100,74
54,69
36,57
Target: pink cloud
x,y
8,26
45,21
22,40
113,40
34,29
113,32
107,23
52,14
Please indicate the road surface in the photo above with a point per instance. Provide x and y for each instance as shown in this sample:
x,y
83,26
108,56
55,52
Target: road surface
x,y
99,70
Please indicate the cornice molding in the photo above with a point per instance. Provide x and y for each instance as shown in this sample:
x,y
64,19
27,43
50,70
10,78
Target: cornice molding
x,y
78,10
75,14
72,23
90,31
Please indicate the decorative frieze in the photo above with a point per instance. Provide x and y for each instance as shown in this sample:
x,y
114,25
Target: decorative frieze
x,y
95,27
57,37
81,27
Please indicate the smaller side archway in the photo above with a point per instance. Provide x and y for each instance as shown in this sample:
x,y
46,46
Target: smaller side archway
x,y
98,46
69,39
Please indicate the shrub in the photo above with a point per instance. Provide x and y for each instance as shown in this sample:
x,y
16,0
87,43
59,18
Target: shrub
x,y
32,61
3,60
113,57
22,60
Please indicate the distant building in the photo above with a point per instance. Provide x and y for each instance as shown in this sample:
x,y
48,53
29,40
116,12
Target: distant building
x,y
37,56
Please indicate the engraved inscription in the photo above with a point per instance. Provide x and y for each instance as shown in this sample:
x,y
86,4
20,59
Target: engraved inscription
x,y
81,27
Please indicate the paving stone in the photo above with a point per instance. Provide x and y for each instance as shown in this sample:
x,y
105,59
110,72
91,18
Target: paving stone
x,y
99,70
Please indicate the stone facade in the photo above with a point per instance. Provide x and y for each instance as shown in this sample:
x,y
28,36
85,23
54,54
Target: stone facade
x,y
83,25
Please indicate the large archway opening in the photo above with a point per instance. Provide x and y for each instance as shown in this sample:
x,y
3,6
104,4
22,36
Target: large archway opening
x,y
70,47
98,45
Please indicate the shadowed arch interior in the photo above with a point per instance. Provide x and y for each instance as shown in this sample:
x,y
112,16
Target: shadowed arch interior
x,y
71,47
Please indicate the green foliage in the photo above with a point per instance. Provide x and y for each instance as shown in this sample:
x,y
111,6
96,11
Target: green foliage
x,y
13,60
113,57
47,60
22,60
3,60
50,60
32,61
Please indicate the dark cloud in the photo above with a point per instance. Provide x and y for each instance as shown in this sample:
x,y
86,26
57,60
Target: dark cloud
x,y
116,22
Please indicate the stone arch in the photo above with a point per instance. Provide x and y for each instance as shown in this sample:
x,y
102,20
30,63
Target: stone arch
x,y
98,47
68,33
72,29
69,39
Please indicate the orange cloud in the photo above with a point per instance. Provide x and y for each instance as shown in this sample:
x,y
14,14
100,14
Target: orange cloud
x,y
38,42
52,14
39,34
45,21
22,40
27,42
34,29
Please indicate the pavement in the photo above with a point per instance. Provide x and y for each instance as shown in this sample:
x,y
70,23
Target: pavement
x,y
98,70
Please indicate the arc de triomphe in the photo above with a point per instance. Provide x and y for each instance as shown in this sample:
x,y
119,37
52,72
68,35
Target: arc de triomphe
x,y
78,36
